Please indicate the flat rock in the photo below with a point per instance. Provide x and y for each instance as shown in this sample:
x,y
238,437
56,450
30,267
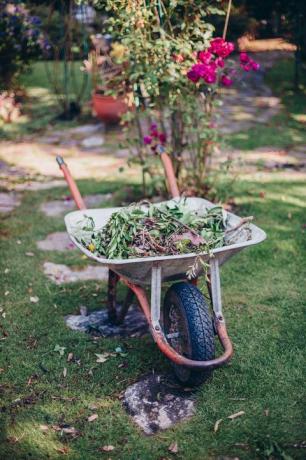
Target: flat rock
x,y
9,201
57,241
92,141
157,403
97,322
59,207
60,273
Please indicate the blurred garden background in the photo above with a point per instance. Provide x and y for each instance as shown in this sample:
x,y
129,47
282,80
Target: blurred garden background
x,y
222,87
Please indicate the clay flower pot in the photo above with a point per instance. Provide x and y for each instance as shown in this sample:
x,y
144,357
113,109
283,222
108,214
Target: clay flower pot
x,y
108,108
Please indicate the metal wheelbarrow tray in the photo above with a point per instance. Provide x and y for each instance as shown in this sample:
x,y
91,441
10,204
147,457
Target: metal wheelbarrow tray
x,y
185,338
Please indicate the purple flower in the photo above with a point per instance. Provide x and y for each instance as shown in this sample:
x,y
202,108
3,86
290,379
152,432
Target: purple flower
x,y
193,76
147,140
226,81
162,137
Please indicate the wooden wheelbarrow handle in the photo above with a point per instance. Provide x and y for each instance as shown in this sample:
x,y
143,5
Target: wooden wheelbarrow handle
x,y
71,183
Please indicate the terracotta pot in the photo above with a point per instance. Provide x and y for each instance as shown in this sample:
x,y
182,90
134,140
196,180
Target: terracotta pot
x,y
108,108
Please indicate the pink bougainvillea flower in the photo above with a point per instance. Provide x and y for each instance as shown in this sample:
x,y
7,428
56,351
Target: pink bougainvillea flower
x,y
255,65
162,137
153,127
147,140
246,67
244,58
226,81
210,77
205,57
219,62
220,47
193,76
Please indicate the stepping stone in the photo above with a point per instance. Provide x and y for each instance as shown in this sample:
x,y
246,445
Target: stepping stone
x,y
92,141
59,207
58,241
60,273
157,403
134,325
9,201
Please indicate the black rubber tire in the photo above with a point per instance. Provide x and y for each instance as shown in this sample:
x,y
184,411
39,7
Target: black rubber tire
x,y
186,301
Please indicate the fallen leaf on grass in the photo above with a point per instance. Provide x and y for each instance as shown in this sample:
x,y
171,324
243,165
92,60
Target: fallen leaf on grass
x,y
217,424
59,349
6,293
34,299
92,417
66,429
29,254
102,357
63,450
107,448
266,412
43,427
237,414
173,448
65,372
69,357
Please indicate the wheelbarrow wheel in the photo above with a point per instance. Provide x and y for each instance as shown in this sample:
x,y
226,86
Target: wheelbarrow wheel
x,y
188,327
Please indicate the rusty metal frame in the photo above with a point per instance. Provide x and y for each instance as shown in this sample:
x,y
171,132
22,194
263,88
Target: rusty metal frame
x,y
153,314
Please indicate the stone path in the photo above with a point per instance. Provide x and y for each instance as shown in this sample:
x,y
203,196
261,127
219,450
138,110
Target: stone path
x,y
60,273
59,207
157,403
9,201
250,101
57,241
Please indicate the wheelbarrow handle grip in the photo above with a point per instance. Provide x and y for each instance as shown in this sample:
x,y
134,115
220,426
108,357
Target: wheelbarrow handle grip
x,y
75,192
169,171
60,160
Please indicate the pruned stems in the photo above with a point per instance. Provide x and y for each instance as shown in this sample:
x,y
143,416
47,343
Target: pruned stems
x,y
243,221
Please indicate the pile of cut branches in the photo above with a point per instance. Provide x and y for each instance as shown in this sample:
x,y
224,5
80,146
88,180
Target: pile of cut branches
x,y
144,230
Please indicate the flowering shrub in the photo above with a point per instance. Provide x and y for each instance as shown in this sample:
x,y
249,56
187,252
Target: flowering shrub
x,y
172,70
212,65
20,40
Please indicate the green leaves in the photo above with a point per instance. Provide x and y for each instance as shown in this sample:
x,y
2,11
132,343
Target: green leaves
x,y
148,230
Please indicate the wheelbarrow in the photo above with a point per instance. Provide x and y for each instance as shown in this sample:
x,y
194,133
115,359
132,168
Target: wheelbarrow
x,y
184,329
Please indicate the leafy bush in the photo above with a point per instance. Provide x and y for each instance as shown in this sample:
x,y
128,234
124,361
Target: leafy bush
x,y
21,40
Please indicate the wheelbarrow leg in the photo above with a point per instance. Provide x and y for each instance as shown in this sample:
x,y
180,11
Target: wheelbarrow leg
x,y
113,279
125,307
214,288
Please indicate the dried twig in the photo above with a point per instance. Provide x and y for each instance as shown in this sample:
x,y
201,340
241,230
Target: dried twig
x,y
243,221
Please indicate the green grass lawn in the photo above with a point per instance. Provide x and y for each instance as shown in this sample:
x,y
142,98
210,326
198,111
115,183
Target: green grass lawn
x,y
264,294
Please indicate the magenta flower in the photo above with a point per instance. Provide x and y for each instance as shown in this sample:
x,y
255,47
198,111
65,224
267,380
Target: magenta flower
x,y
220,47
153,127
219,62
193,76
255,65
246,67
147,140
226,81
244,58
205,57
162,137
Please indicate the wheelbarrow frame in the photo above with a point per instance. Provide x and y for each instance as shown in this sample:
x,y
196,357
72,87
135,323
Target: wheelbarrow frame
x,y
152,310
